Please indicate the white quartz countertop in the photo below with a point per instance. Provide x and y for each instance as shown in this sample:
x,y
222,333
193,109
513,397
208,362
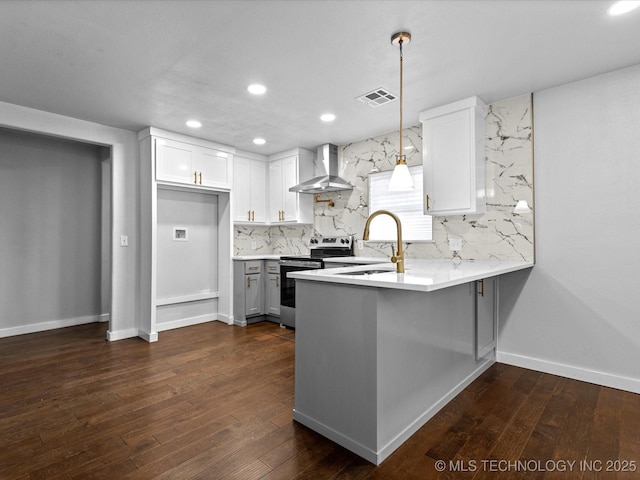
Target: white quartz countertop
x,y
354,260
264,256
276,256
420,275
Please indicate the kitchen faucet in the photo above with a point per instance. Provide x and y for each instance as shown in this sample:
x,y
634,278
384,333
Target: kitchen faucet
x,y
396,257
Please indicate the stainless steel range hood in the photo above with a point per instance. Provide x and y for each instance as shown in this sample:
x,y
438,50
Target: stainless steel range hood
x,y
326,169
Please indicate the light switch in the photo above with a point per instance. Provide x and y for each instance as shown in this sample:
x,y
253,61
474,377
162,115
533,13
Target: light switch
x,y
254,245
124,240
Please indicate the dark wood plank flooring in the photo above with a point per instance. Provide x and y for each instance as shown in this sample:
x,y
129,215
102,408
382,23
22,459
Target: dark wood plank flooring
x,y
214,402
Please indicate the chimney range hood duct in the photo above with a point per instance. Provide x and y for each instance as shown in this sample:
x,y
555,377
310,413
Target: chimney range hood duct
x,y
326,165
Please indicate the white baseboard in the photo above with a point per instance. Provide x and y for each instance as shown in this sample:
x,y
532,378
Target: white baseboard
x,y
104,317
185,322
113,335
228,319
43,326
148,336
570,371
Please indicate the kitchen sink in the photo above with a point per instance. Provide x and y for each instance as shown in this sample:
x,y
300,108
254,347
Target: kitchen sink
x,y
365,272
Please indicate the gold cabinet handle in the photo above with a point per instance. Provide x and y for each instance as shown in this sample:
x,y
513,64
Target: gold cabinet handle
x,y
283,215
253,215
277,280
482,287
248,282
195,177
249,215
200,178
428,205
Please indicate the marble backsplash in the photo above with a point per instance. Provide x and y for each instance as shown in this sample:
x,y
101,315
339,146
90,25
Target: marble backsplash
x,y
500,233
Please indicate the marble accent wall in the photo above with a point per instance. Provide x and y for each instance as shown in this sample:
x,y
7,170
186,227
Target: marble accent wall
x,y
500,233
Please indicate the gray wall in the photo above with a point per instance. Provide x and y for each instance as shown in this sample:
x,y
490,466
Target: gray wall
x,y
577,312
50,230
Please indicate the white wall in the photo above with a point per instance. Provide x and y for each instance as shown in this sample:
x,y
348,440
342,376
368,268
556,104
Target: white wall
x,y
577,313
124,201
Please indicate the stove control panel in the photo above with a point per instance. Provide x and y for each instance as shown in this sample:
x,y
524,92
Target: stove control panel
x,y
342,242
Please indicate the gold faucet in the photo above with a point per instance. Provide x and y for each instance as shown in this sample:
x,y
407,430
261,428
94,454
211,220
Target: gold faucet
x,y
396,257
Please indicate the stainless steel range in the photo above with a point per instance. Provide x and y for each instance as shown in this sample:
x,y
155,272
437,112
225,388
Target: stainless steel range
x,y
319,248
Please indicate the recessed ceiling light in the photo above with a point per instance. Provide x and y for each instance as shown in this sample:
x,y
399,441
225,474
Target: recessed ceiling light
x,y
257,89
193,124
327,117
625,6
259,141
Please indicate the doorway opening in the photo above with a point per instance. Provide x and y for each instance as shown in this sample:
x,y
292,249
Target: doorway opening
x,y
55,232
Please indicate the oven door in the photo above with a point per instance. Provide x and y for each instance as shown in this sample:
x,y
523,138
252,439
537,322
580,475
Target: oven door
x,y
288,287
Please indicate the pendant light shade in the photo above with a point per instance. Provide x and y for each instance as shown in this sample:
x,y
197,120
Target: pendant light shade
x,y
401,178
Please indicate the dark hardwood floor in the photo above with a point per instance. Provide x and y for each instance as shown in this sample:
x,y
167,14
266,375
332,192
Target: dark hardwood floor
x,y
213,401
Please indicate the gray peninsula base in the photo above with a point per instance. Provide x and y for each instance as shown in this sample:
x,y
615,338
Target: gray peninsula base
x,y
375,364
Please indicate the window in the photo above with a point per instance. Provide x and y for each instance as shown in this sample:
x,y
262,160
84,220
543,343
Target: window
x,y
416,226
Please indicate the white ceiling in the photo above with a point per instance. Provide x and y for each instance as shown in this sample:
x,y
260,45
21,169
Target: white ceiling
x,y
131,64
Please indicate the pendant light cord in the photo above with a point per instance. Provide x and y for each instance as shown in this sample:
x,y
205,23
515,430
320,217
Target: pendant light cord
x,y
401,157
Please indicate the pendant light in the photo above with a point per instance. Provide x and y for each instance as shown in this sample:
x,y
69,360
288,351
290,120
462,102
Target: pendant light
x,y
401,177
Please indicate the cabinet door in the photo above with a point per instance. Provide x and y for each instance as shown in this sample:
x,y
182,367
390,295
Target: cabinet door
x,y
276,187
253,295
242,190
485,327
212,168
289,199
258,192
174,161
273,294
448,157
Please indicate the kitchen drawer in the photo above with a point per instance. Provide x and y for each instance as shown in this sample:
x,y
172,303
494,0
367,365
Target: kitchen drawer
x,y
252,267
273,267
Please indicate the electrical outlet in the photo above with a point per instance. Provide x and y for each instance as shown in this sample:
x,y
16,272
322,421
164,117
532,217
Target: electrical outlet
x,y
455,244
124,240
360,244
254,246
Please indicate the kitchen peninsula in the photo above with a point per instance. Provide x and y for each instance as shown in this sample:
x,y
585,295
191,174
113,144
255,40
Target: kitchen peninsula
x,y
378,353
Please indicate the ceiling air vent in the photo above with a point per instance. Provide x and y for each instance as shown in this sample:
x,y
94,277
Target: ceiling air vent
x,y
377,97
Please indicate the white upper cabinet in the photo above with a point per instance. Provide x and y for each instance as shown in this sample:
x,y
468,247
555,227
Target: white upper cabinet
x,y
174,161
249,190
287,170
213,168
454,158
193,164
